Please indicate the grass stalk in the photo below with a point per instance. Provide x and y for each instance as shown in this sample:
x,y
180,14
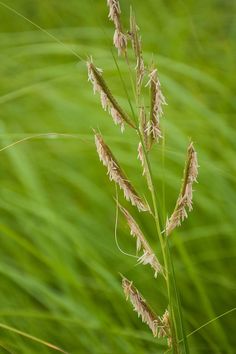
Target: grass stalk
x,y
156,219
163,248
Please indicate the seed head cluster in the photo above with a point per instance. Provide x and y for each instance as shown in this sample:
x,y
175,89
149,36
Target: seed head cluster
x,y
147,125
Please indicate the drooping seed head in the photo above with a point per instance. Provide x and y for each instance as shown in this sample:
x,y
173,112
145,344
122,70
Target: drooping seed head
x,y
108,101
140,306
158,325
116,174
148,256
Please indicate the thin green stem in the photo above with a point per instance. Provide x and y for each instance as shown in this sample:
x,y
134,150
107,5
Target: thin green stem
x,y
26,335
179,308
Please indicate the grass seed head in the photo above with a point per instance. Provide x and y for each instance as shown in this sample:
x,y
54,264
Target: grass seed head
x,y
148,256
157,101
184,200
148,316
119,38
116,174
137,48
108,101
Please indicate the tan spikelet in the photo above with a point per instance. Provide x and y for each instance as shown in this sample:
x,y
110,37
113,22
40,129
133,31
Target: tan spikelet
x,y
142,158
116,174
148,256
184,200
143,126
108,101
165,330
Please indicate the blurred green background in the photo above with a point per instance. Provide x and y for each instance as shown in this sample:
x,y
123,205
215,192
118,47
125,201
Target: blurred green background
x,y
59,262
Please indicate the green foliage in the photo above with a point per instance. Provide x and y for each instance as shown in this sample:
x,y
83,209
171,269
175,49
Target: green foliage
x,y
59,262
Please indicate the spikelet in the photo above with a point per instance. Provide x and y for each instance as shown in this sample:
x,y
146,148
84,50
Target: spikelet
x,y
143,161
108,101
154,322
165,320
141,157
119,38
146,142
116,174
157,101
143,126
148,256
184,200
137,48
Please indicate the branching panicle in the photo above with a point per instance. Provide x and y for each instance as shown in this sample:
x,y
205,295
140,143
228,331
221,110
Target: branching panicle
x,y
148,129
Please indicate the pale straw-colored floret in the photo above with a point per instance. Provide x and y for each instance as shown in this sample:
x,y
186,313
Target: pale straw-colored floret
x,y
165,330
119,38
153,129
116,174
142,158
157,101
148,256
114,10
108,101
143,126
184,200
117,118
120,41
143,310
104,100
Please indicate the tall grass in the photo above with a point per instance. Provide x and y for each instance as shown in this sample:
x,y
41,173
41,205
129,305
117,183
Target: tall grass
x,y
59,261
